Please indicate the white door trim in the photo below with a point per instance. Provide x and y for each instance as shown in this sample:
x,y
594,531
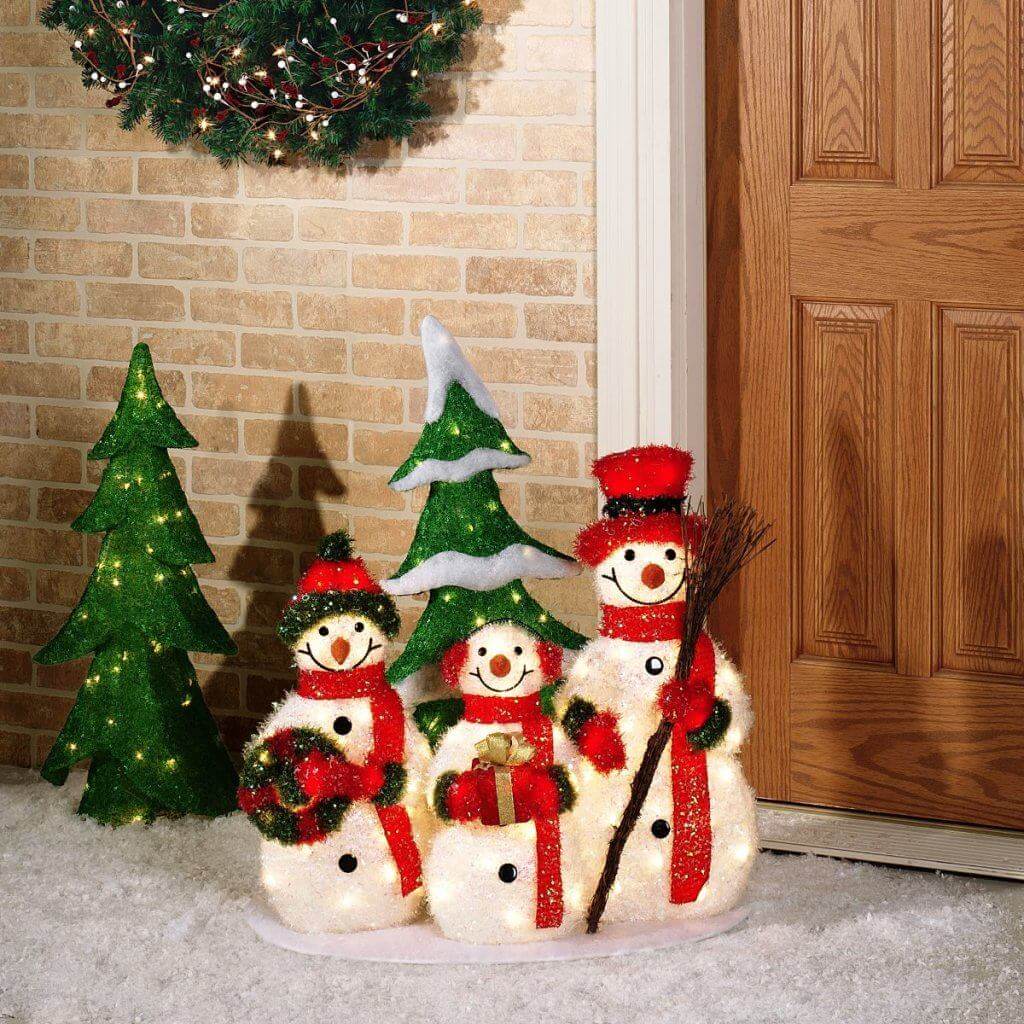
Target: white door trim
x,y
651,226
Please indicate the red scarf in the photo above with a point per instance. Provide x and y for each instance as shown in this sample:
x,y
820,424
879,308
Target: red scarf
x,y
691,798
536,726
388,747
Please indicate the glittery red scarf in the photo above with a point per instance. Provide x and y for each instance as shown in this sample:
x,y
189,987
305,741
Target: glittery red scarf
x,y
643,623
536,726
388,747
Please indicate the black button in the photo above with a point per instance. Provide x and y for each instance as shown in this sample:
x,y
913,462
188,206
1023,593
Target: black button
x,y
654,666
660,829
507,872
347,863
342,725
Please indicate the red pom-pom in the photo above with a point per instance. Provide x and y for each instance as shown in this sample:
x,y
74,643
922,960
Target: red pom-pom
x,y
689,705
600,743
550,660
314,774
371,779
321,776
463,798
251,800
544,796
308,827
452,662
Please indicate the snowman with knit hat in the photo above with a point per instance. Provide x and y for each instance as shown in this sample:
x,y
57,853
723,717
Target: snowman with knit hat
x,y
330,778
691,851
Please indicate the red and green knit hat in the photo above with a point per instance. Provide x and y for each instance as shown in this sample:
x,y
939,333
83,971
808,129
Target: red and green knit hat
x,y
335,583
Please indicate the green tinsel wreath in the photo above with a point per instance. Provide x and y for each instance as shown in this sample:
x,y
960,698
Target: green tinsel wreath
x,y
262,79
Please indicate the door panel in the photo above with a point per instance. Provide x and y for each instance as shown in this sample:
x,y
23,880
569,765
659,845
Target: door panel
x,y
866,338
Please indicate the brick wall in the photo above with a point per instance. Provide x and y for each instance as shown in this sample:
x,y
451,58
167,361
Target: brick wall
x,y
280,305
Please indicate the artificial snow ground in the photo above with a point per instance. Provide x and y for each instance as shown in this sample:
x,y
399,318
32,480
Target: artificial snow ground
x,y
147,925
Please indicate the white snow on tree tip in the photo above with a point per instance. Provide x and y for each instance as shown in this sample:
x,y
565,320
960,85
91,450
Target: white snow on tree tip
x,y
478,572
457,470
446,365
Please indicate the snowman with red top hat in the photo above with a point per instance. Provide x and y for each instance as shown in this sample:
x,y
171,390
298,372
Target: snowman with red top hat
x,y
330,777
692,849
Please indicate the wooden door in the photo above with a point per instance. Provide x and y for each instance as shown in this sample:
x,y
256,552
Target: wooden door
x,y
866,284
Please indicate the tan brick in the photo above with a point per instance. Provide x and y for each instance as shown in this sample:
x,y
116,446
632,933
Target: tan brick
x,y
348,487
135,216
550,458
40,462
560,232
15,419
14,502
76,256
104,132
134,301
383,536
70,423
378,359
83,174
214,433
352,402
296,266
176,176
34,710
261,222
105,383
190,345
296,439
590,189
363,227
39,212
383,447
524,366
589,279
14,91
241,393
464,230
551,321
452,141
13,254
509,275
61,588
492,186
361,314
559,503
27,626
442,96
24,295
560,53
468,319
294,182
290,524
487,51
570,142
77,340
217,518
14,336
41,380
590,369
14,584
15,747
569,414
414,273
304,354
246,479
407,184
33,50
502,97
62,504
222,689
39,131
64,89
246,308
187,262
14,171
528,12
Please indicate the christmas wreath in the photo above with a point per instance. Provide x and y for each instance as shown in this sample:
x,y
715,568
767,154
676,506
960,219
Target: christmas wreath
x,y
262,79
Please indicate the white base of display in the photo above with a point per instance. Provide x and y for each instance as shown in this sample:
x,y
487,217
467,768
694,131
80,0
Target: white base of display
x,y
423,943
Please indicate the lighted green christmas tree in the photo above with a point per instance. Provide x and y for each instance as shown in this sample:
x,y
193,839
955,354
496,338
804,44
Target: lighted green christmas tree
x,y
468,552
140,714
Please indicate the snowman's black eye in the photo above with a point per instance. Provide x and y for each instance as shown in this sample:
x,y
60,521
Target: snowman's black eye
x,y
323,631
519,650
508,872
482,651
653,666
670,555
347,863
360,626
629,554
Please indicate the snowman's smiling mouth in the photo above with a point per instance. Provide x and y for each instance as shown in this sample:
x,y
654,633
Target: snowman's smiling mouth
x,y
508,689
370,648
636,600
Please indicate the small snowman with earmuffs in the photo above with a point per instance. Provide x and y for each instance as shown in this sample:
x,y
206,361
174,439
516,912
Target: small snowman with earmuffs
x,y
330,778
505,864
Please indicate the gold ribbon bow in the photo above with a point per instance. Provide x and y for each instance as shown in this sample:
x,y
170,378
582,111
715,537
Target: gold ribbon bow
x,y
504,751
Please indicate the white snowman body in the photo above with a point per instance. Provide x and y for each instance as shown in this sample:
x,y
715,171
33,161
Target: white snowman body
x,y
347,881
481,880
625,678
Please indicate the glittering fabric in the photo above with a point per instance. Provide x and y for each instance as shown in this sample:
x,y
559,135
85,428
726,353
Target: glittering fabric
x,y
641,624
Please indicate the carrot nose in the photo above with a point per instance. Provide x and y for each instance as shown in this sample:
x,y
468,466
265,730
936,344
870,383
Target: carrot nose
x,y
339,649
500,665
652,576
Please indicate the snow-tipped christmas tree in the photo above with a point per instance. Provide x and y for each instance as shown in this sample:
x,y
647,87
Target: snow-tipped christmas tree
x,y
468,552
140,714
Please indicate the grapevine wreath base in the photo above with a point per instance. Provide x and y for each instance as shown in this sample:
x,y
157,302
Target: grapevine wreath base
x,y
423,943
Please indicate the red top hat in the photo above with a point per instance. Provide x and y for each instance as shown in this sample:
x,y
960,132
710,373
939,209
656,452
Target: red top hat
x,y
649,472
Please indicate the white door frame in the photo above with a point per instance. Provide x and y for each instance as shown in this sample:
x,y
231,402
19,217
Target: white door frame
x,y
651,258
